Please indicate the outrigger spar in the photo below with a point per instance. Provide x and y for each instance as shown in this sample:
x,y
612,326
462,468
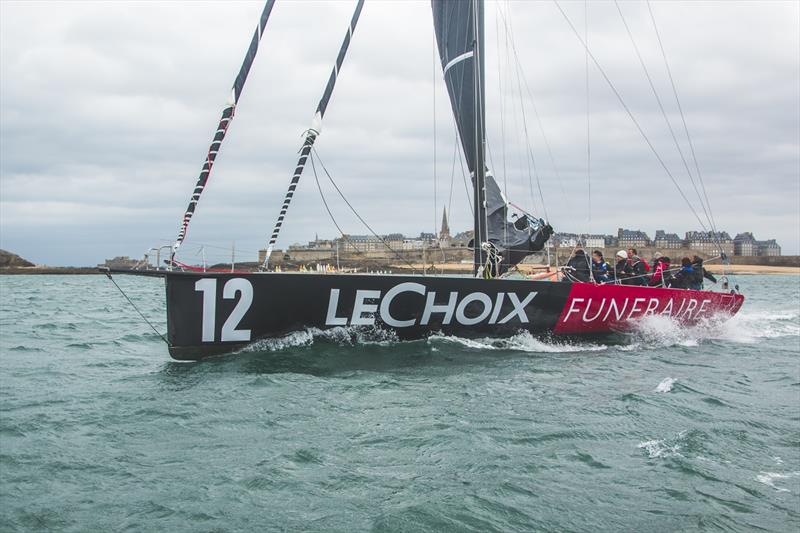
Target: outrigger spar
x,y
314,130
224,123
218,312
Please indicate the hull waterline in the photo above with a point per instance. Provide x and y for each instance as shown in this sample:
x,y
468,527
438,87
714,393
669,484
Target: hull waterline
x,y
215,313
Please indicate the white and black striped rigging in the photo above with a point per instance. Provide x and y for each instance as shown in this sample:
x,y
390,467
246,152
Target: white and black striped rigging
x,y
224,123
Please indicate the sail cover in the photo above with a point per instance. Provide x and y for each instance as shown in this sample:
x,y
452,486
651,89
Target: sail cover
x,y
458,25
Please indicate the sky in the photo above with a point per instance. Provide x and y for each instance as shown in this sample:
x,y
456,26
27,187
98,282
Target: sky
x,y
107,110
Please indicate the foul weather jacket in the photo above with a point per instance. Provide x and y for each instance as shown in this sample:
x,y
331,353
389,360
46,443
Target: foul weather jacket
x,y
580,264
683,279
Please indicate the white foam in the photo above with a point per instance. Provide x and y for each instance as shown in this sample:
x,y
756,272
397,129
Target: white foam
x,y
769,478
276,344
744,327
339,335
659,448
523,341
665,385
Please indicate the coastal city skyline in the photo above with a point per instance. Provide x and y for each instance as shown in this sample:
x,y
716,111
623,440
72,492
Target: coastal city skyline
x,y
743,243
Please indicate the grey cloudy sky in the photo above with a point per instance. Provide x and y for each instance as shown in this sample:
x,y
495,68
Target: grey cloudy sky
x,y
107,109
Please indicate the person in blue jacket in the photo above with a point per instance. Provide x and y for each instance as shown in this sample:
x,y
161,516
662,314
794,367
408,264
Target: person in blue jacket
x,y
685,276
699,273
599,267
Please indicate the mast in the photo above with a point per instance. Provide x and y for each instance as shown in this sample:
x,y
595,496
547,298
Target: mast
x,y
480,223
224,122
459,35
313,132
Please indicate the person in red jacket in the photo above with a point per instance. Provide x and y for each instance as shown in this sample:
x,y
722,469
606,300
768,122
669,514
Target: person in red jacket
x,y
661,274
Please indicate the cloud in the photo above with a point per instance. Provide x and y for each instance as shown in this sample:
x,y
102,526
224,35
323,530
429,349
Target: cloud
x,y
107,109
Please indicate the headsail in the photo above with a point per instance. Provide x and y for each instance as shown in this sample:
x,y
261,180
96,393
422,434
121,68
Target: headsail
x,y
314,130
459,36
224,123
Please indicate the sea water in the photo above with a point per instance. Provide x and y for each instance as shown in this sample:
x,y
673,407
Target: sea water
x,y
665,429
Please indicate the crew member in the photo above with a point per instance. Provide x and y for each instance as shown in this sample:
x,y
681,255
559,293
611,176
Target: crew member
x,y
639,267
600,269
683,279
699,273
661,274
579,268
622,270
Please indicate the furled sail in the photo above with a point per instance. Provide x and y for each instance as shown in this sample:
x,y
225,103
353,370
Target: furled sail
x,y
224,123
458,25
459,36
313,131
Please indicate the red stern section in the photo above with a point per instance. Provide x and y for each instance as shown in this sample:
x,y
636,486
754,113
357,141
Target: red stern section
x,y
599,308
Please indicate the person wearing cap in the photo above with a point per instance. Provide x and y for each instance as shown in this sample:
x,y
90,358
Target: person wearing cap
x,y
622,270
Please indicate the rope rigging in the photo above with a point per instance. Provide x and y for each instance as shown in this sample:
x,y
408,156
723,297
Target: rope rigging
x,y
588,115
328,209
683,117
108,274
511,44
631,116
346,201
663,111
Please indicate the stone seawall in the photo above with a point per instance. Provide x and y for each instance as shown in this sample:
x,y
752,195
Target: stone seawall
x,y
456,255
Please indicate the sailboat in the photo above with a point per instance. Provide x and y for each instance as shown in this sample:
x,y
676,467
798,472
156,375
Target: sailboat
x,y
217,312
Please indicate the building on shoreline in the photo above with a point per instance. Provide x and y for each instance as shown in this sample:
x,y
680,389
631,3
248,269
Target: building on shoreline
x,y
746,244
709,242
627,238
704,243
122,261
667,241
768,248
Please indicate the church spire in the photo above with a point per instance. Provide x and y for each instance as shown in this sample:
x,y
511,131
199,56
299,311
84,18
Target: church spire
x,y
445,231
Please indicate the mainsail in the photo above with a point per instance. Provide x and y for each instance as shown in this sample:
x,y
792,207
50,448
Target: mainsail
x,y
224,123
459,36
313,131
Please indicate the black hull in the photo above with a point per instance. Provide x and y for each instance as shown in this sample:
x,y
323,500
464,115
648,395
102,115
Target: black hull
x,y
214,313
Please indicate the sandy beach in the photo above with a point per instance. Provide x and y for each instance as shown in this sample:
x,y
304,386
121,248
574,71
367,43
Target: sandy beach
x,y
754,269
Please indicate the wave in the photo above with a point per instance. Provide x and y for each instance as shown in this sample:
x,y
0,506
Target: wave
x,y
660,448
672,446
665,385
651,332
743,328
344,336
523,341
769,478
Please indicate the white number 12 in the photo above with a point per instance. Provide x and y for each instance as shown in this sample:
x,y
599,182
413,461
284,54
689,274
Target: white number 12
x,y
208,286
